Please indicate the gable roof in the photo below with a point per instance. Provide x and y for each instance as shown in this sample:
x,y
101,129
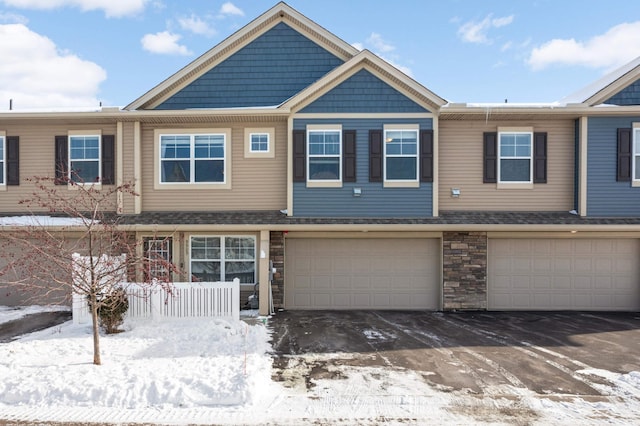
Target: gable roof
x,y
377,66
607,86
281,12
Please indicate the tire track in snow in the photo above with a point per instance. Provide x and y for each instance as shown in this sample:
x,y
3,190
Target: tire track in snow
x,y
576,375
438,342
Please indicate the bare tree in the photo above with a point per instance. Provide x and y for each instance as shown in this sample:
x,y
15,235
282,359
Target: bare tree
x,y
81,223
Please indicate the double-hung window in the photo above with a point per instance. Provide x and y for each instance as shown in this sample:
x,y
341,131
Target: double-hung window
x,y
84,158
193,158
636,153
325,155
3,165
223,258
515,157
158,253
401,155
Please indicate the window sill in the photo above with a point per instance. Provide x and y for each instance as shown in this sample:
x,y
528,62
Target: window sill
x,y
320,184
514,185
400,184
191,186
635,183
76,186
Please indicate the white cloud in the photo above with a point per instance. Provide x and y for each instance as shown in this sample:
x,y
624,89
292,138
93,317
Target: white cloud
x,y
614,48
111,8
164,43
379,43
477,32
231,9
13,18
35,74
402,68
196,25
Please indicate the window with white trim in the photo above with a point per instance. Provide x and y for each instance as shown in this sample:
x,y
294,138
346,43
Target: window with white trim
x,y
84,158
158,252
636,154
401,155
259,142
192,158
515,157
325,155
223,258
3,164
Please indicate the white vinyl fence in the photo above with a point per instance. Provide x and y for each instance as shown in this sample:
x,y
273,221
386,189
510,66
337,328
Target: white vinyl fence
x,y
185,300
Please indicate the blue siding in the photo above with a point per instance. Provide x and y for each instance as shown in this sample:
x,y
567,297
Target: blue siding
x,y
606,196
630,95
266,72
363,92
375,200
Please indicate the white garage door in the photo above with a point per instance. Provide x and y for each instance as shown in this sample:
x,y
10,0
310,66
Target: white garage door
x,y
362,273
557,274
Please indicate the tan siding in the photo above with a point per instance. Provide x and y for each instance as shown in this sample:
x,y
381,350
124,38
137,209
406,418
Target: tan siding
x,y
461,164
37,157
128,165
256,183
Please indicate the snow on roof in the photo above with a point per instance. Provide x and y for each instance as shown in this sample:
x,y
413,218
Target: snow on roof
x,y
40,221
598,85
513,105
52,109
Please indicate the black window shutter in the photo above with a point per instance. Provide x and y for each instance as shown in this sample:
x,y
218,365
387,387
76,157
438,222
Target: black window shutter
x,y
490,157
108,159
624,155
299,156
62,158
349,156
13,160
426,156
539,158
375,155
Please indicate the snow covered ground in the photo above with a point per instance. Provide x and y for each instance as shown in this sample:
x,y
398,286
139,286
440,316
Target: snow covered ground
x,y
219,372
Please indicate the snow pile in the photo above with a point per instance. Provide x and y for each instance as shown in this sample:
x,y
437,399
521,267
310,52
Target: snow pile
x,y
173,364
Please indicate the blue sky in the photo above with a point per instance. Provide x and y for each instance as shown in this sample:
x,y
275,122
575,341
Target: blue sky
x,y
77,53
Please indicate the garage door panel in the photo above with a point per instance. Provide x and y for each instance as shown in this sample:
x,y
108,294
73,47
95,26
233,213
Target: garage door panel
x,y
590,274
362,273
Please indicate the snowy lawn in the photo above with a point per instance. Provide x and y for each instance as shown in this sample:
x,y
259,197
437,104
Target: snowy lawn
x,y
219,372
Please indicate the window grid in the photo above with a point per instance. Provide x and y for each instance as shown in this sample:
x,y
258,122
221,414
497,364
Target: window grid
x,y
325,155
158,257
2,160
259,142
515,157
222,258
636,154
401,155
192,158
84,159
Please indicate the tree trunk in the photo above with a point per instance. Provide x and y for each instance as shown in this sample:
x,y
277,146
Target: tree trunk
x,y
96,330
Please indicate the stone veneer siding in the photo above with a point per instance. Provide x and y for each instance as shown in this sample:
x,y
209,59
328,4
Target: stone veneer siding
x,y
276,253
464,270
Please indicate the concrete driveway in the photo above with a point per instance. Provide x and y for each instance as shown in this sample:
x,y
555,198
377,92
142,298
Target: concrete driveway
x,y
553,355
31,323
